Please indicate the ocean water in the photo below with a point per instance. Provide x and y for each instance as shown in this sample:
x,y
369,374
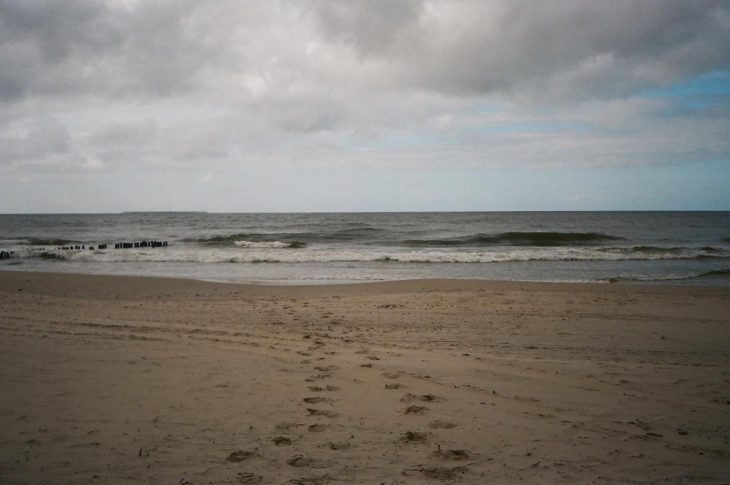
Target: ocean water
x,y
674,247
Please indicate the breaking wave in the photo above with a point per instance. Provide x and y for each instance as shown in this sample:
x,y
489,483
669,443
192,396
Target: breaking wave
x,y
657,252
381,237
519,239
269,244
293,239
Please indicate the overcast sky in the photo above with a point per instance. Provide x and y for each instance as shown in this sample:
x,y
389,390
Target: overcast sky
x,y
296,105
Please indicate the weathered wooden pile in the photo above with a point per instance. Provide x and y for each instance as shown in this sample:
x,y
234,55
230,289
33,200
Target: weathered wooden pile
x,y
82,247
141,244
118,245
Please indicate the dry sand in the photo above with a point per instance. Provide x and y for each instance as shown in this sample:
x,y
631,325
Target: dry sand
x,y
128,380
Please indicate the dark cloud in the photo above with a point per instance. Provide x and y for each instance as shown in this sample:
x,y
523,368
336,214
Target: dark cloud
x,y
373,27
86,47
565,49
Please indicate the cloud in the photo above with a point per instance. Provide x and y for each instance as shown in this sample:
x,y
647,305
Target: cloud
x,y
373,28
121,86
571,49
87,47
34,139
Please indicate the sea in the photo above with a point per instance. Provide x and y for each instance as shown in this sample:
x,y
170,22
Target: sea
x,y
307,248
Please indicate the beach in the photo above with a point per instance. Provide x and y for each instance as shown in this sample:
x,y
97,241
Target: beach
x,y
114,379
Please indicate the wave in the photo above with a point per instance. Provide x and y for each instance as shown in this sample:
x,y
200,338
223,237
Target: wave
x,y
515,238
269,244
715,272
294,239
13,242
232,238
668,249
693,276
51,255
35,241
278,252
658,252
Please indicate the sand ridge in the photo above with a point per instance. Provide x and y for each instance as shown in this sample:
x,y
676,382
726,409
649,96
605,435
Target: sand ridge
x,y
118,380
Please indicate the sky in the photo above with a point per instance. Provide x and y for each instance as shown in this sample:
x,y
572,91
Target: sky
x,y
364,105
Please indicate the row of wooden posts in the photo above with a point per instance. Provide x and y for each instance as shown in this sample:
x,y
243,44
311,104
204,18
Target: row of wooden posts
x,y
120,245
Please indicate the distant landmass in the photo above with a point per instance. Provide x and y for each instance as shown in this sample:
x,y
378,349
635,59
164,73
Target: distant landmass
x,y
164,212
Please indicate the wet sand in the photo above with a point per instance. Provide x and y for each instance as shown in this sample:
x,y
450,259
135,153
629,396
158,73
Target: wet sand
x,y
148,380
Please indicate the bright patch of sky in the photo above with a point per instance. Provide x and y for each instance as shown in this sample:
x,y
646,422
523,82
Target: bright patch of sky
x,y
707,91
716,83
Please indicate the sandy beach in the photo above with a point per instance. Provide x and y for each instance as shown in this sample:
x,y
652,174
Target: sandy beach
x,y
146,380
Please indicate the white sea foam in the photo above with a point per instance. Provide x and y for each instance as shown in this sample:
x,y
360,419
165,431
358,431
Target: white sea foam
x,y
265,244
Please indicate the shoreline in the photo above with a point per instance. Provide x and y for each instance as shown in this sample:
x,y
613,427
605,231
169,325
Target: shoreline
x,y
118,379
467,282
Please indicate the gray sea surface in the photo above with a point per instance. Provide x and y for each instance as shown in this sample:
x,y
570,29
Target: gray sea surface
x,y
293,248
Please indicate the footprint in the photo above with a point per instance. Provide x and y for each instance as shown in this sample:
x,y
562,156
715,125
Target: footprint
x,y
393,386
316,400
414,437
282,441
300,461
423,397
444,473
318,376
416,409
329,388
439,424
452,454
287,426
249,478
339,445
317,428
322,412
240,455
391,375
322,480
